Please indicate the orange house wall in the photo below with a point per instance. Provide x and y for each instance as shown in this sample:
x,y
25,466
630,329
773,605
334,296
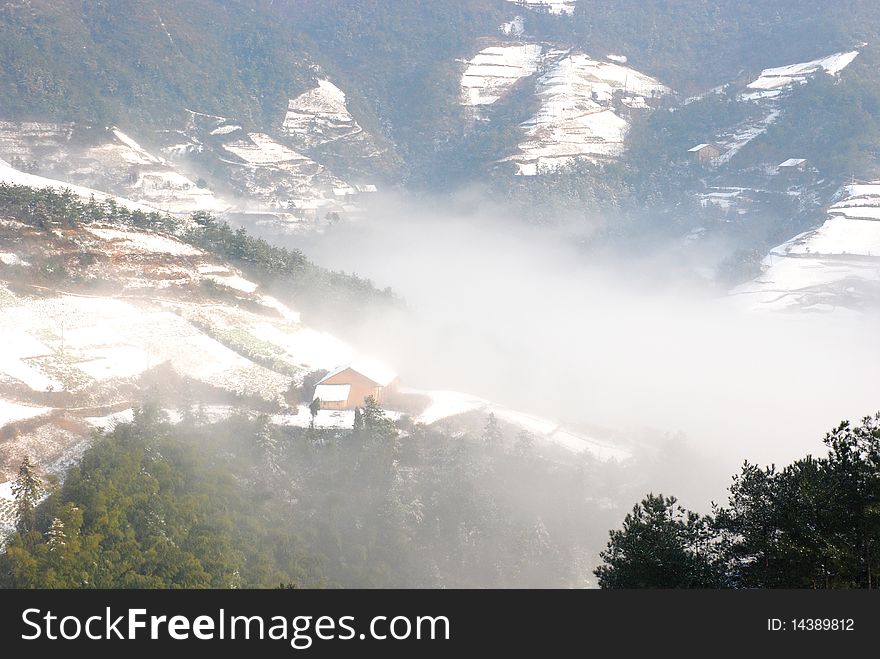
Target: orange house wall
x,y
361,388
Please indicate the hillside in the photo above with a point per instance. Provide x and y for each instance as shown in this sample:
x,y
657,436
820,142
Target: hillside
x,y
102,312
833,267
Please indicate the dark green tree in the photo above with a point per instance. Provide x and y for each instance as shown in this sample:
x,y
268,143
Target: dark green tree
x,y
26,490
661,545
314,408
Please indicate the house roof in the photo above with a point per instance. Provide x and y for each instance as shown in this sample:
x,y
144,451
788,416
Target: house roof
x,y
700,147
792,162
332,393
369,368
634,102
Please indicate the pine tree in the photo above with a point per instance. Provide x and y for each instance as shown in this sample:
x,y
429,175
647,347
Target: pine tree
x,y
358,420
57,537
314,408
491,432
661,545
26,490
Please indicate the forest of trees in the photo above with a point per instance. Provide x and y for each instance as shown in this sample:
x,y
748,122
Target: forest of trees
x,y
243,503
812,524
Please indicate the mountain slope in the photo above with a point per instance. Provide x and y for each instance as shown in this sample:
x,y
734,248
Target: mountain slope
x,y
101,311
833,267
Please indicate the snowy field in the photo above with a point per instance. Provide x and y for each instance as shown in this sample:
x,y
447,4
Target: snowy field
x,y
12,176
766,91
492,72
578,117
833,267
773,81
115,164
320,115
552,6
448,404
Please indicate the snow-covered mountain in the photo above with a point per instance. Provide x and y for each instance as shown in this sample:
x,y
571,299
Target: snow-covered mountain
x,y
767,92
586,104
214,164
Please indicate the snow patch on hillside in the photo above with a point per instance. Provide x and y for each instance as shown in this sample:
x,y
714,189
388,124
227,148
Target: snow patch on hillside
x,y
492,72
319,123
783,77
766,92
836,266
320,115
551,6
12,412
133,240
583,103
259,149
111,161
449,404
15,177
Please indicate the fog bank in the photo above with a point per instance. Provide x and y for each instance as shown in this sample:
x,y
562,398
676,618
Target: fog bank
x,y
525,317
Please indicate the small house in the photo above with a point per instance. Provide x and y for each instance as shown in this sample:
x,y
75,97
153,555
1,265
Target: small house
x,y
347,387
792,168
705,153
344,192
306,209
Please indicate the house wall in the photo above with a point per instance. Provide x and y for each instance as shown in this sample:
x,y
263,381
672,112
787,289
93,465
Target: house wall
x,y
334,405
707,154
361,388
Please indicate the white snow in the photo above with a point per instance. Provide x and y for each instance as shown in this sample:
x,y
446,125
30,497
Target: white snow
x,y
579,444
321,115
308,347
576,118
493,71
234,281
174,192
842,235
120,361
552,6
144,242
18,348
745,133
324,418
260,149
225,130
107,422
447,404
12,176
11,412
783,77
135,147
8,258
332,393
834,266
